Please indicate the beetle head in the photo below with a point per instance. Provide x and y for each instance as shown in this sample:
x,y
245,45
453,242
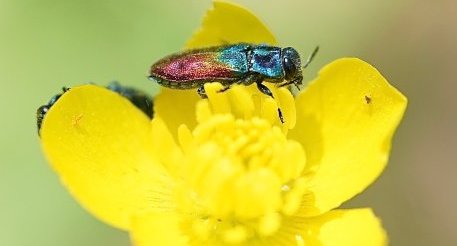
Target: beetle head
x,y
291,63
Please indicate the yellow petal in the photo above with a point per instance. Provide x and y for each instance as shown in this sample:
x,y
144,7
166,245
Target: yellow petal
x,y
345,121
353,227
153,229
230,23
225,23
164,146
176,107
101,147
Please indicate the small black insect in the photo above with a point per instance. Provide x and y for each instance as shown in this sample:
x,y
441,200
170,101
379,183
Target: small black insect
x,y
138,98
43,110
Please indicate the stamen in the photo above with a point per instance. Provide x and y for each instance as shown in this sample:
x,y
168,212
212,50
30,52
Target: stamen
x,y
241,175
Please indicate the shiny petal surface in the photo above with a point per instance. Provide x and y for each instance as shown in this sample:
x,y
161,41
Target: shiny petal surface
x,y
99,144
345,121
225,23
352,227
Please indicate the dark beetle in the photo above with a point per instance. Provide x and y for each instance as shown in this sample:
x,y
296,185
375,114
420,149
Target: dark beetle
x,y
138,98
230,64
43,110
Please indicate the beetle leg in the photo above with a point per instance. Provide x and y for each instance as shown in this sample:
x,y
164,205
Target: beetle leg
x,y
281,118
201,92
262,88
285,83
226,87
297,80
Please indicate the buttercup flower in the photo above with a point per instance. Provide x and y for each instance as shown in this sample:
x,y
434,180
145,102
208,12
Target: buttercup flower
x,y
225,170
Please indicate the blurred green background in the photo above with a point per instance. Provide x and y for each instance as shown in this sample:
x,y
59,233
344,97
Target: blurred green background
x,y
46,44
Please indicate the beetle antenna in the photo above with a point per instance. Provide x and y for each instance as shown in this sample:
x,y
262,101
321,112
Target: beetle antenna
x,y
311,57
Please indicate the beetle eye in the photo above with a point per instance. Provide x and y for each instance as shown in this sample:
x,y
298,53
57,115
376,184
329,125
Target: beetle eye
x,y
43,109
289,68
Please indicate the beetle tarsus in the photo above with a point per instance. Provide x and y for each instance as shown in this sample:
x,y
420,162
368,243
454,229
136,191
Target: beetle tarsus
x,y
296,86
281,118
201,92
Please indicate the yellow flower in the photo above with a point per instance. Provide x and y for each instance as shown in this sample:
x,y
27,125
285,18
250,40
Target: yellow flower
x,y
225,171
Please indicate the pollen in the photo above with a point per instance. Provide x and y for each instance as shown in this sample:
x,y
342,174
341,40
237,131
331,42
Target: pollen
x,y
241,176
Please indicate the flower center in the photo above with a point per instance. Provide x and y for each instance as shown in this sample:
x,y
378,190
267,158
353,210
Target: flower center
x,y
240,177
